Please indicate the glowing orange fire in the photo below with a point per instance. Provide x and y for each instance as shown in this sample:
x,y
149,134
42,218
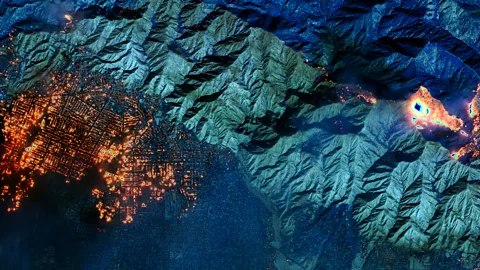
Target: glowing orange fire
x,y
356,92
473,108
426,110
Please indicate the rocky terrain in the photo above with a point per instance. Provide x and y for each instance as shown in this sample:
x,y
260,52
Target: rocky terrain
x,y
305,149
387,45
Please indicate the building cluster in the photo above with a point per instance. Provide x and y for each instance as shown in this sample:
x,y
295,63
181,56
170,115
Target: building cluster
x,y
74,122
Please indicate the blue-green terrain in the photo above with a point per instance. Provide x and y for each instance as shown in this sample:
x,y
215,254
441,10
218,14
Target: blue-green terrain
x,y
319,181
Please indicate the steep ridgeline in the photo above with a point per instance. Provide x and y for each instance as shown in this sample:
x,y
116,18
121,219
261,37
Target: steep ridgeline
x,y
389,45
305,150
